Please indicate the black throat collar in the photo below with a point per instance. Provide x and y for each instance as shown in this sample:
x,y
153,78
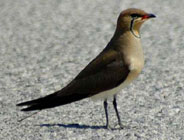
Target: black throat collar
x,y
131,29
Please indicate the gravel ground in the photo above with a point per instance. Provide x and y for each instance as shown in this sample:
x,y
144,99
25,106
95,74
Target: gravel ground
x,y
45,43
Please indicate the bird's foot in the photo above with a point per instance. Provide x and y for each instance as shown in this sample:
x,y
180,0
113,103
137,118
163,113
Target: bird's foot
x,y
108,127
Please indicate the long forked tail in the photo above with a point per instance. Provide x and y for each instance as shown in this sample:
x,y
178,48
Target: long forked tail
x,y
50,101
38,104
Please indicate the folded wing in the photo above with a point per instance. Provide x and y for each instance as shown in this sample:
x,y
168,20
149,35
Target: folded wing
x,y
105,72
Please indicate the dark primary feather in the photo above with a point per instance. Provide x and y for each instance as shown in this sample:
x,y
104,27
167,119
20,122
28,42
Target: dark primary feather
x,y
105,72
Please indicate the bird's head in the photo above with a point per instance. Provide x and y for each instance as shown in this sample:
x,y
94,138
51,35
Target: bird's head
x,y
132,19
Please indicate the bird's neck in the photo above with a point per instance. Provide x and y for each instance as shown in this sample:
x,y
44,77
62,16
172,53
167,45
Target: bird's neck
x,y
121,31
135,33
126,35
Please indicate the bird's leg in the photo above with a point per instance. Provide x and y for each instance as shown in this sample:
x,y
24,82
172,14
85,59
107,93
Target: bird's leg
x,y
117,113
106,113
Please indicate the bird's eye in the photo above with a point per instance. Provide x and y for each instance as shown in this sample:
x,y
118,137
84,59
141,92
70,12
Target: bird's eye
x,y
135,15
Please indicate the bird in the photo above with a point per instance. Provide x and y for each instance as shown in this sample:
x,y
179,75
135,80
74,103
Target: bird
x,y
118,64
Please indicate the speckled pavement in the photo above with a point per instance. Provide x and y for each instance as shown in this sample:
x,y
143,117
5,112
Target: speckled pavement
x,y
45,43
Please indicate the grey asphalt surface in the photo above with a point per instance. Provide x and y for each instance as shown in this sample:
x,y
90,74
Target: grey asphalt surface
x,y
45,43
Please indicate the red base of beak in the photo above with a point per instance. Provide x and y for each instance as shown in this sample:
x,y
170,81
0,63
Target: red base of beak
x,y
148,16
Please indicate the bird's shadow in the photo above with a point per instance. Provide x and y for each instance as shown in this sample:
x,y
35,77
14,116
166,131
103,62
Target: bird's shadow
x,y
78,126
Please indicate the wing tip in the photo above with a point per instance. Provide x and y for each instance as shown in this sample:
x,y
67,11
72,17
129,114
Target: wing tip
x,y
23,103
27,109
19,104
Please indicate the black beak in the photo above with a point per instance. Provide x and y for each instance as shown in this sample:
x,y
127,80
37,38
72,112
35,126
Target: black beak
x,y
151,16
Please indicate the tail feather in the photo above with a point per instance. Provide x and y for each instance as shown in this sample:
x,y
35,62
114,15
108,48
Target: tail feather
x,y
36,101
50,101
